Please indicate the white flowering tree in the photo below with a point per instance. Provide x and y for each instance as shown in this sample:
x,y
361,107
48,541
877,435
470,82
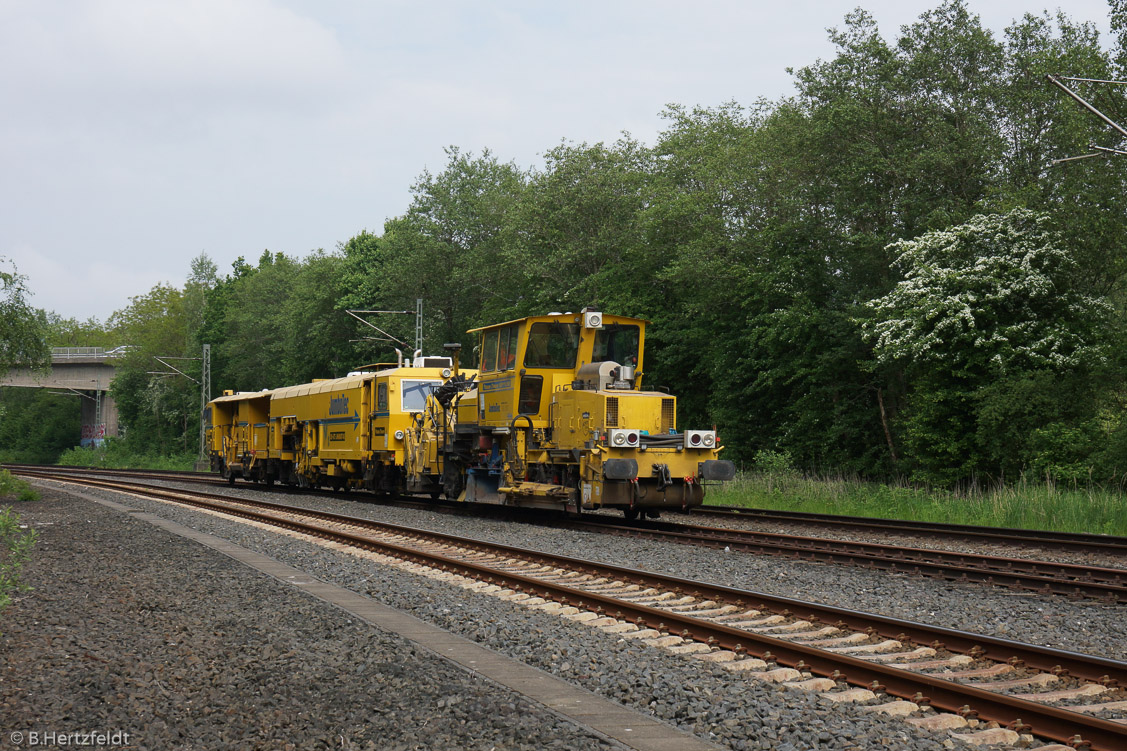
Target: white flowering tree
x,y
982,308
988,297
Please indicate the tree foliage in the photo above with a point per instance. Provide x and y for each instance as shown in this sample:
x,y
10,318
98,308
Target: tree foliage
x,y
881,274
23,329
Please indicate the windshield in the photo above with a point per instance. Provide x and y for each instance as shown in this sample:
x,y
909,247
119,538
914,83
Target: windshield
x,y
552,345
415,394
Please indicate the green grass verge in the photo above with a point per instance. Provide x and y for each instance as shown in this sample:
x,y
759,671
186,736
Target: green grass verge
x,y
1024,505
16,540
113,454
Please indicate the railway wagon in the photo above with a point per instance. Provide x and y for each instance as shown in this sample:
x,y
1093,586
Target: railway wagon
x,y
558,418
238,430
350,432
353,431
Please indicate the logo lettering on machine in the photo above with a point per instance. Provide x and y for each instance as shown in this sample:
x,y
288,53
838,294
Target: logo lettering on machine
x,y
338,405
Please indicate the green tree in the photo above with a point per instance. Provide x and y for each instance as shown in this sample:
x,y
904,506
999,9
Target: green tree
x,y
447,249
159,413
23,329
317,330
576,234
37,426
252,349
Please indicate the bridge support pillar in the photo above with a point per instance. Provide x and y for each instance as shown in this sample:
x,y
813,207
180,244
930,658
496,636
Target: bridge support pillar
x,y
99,417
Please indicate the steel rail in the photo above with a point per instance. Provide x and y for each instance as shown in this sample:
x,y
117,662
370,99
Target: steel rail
x,y
1087,667
1084,542
1048,722
1042,577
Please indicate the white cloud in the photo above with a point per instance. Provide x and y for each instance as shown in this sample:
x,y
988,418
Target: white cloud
x,y
139,46
82,290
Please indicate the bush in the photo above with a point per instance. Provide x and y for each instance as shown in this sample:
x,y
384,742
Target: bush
x,y
115,454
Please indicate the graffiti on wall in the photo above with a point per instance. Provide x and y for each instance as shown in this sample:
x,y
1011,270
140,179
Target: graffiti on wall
x,y
93,435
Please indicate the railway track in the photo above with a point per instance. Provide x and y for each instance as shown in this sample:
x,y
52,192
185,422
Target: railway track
x,y
960,674
1043,577
1071,541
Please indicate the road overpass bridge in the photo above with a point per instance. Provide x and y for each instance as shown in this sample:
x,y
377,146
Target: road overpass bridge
x,y
86,372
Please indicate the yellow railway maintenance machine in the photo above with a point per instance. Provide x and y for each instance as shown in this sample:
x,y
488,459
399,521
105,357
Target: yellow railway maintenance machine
x,y
558,419
238,429
353,432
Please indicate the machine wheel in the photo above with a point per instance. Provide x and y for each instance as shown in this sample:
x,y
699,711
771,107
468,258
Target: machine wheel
x,y
630,513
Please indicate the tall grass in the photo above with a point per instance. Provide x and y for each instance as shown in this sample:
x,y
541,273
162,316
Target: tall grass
x,y
16,487
1024,504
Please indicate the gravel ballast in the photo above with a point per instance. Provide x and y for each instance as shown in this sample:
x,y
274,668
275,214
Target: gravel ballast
x,y
697,697
1079,625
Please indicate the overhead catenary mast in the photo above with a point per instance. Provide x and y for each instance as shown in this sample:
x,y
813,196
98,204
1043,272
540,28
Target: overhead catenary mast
x,y
1058,81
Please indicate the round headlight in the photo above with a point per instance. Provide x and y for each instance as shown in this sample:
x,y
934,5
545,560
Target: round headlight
x,y
619,439
399,435
709,440
446,372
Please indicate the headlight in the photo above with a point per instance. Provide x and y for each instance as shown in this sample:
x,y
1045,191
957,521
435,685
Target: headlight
x,y
399,435
700,439
623,438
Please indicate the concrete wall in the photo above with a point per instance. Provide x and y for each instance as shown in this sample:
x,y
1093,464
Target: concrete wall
x,y
93,431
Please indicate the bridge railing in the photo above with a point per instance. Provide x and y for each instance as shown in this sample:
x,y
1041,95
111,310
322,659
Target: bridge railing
x,y
86,353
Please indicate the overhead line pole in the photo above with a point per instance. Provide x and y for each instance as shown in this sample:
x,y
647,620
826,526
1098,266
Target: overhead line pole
x,y
1085,104
205,399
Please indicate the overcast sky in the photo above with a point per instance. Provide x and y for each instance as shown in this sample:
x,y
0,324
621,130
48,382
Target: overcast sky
x,y
136,134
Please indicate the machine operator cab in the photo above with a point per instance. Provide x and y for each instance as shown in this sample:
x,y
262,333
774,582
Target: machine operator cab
x,y
522,363
560,396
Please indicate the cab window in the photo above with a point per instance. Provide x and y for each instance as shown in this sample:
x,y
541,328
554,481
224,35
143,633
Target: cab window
x,y
617,342
415,394
507,348
528,402
489,351
552,344
381,397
